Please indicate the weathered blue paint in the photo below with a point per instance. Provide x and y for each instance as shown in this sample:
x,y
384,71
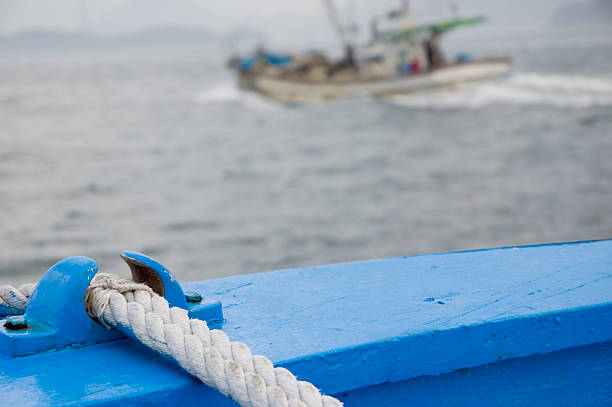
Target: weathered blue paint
x,y
56,316
5,311
501,327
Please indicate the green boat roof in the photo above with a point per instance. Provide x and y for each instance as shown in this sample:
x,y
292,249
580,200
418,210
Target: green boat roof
x,y
440,27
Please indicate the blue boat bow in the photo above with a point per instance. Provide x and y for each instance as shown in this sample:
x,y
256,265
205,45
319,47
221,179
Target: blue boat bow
x,y
498,327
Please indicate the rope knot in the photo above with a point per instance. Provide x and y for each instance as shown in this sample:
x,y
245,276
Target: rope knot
x,y
105,281
102,288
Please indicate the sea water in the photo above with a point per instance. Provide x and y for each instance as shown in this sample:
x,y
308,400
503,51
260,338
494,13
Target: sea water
x,y
157,150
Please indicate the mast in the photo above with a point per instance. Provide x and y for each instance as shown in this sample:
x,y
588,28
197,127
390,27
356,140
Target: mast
x,y
345,35
406,7
454,6
334,18
84,16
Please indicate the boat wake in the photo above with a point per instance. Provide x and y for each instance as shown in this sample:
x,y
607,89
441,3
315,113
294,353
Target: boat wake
x,y
227,93
529,89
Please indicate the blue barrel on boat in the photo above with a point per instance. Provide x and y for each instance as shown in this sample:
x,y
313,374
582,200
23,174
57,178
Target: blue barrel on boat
x,y
464,57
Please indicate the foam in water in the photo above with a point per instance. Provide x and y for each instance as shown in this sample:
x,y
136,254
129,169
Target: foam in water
x,y
519,89
229,93
529,89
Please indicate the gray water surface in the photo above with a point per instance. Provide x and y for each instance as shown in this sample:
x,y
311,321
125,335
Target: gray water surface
x,y
157,151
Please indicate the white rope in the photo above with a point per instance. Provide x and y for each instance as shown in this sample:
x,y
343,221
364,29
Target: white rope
x,y
250,380
16,299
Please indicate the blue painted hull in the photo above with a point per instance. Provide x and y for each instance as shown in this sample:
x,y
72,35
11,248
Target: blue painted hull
x,y
501,327
574,377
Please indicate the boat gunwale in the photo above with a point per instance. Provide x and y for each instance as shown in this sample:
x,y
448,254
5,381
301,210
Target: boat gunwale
x,y
251,77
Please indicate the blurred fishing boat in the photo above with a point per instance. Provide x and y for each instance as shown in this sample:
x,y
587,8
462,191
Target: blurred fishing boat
x,y
400,58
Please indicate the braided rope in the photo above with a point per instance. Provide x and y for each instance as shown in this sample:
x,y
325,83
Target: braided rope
x,y
16,299
250,380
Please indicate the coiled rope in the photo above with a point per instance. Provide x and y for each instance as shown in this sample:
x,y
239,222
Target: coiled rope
x,y
250,380
15,300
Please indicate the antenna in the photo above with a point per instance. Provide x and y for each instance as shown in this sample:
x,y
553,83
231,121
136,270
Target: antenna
x,y
352,28
84,15
335,21
454,6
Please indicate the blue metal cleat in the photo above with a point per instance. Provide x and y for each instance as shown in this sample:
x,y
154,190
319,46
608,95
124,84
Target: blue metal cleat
x,y
150,272
55,317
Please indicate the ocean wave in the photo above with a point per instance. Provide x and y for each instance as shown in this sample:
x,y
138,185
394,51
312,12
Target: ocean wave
x,y
529,89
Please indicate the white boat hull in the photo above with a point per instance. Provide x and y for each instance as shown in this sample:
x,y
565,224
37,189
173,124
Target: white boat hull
x,y
302,91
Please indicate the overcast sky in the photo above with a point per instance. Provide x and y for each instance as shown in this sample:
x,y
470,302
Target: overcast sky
x,y
274,18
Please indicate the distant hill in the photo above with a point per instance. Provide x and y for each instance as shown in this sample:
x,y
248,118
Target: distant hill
x,y
139,15
47,39
168,35
60,40
584,13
